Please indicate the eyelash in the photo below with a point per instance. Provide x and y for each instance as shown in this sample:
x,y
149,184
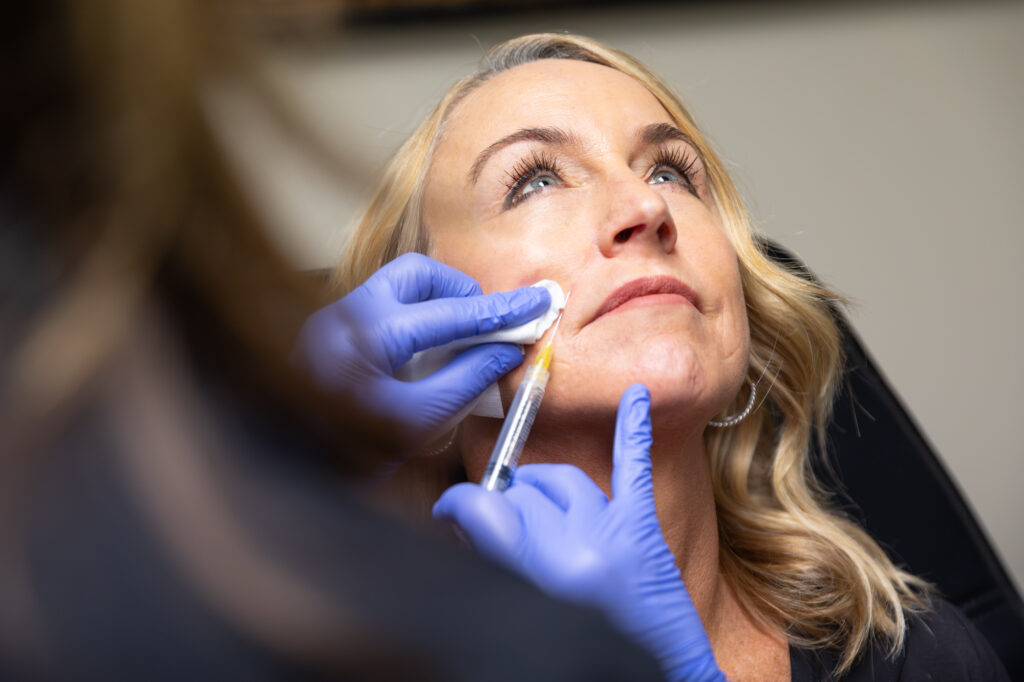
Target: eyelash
x,y
683,162
525,170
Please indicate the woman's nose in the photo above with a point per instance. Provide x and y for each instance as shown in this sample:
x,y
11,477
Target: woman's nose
x,y
637,217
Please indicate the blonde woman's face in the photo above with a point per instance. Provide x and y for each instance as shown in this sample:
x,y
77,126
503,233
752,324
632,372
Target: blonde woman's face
x,y
574,172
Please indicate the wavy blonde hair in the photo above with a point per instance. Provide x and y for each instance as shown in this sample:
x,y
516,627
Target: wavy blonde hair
x,y
794,562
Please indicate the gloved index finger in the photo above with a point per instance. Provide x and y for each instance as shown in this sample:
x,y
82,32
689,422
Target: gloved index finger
x,y
631,455
437,322
414,277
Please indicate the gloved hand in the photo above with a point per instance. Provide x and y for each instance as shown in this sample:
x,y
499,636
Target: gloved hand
x,y
411,304
556,527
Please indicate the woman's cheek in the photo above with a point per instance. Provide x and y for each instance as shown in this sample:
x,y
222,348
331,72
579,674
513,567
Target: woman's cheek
x,y
733,332
504,266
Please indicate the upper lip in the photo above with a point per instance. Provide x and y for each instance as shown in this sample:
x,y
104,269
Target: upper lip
x,y
647,286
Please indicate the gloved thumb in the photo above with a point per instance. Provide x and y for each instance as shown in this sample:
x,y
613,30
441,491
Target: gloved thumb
x,y
484,517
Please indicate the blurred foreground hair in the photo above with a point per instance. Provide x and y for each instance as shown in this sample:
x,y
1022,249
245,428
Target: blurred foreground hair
x,y
795,563
124,229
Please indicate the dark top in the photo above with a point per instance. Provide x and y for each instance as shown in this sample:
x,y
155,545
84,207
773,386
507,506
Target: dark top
x,y
941,645
115,600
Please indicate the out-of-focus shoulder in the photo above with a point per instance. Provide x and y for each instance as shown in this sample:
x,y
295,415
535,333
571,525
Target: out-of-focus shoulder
x,y
942,644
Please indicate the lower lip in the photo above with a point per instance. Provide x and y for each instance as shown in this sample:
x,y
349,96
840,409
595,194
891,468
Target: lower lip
x,y
652,299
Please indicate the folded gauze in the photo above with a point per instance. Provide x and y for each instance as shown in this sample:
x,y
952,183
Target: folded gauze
x,y
426,362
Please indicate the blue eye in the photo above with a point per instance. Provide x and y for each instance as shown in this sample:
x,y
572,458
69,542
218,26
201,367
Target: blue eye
x,y
662,176
538,182
680,167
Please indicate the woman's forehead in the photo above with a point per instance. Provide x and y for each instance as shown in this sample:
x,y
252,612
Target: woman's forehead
x,y
553,92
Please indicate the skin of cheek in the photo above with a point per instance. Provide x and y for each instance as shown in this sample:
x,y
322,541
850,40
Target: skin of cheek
x,y
731,329
729,324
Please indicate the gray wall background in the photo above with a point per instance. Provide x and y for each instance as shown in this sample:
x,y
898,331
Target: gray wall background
x,y
882,144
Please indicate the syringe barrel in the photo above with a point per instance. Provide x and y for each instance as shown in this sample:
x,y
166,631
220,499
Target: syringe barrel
x,y
515,430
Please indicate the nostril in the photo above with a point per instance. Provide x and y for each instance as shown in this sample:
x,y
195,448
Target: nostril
x,y
664,234
624,235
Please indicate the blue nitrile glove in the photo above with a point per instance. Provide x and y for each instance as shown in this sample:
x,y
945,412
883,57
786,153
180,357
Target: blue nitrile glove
x,y
556,527
411,304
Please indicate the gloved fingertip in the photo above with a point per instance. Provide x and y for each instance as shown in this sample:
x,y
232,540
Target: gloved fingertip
x,y
635,394
484,517
530,300
635,407
443,508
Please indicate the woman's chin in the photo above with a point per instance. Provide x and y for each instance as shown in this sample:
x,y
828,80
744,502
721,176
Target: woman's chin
x,y
688,384
684,395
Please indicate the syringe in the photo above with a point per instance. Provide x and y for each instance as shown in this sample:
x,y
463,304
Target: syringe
x,y
516,428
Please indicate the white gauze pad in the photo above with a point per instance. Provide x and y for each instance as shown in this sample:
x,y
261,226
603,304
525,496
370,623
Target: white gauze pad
x,y
488,404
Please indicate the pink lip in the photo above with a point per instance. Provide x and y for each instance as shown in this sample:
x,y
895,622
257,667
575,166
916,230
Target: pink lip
x,y
661,289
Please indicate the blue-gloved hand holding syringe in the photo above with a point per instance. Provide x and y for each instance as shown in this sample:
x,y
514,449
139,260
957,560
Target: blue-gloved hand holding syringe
x,y
557,528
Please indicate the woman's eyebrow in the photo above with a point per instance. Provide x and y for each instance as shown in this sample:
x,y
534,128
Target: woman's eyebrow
x,y
656,133
555,136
